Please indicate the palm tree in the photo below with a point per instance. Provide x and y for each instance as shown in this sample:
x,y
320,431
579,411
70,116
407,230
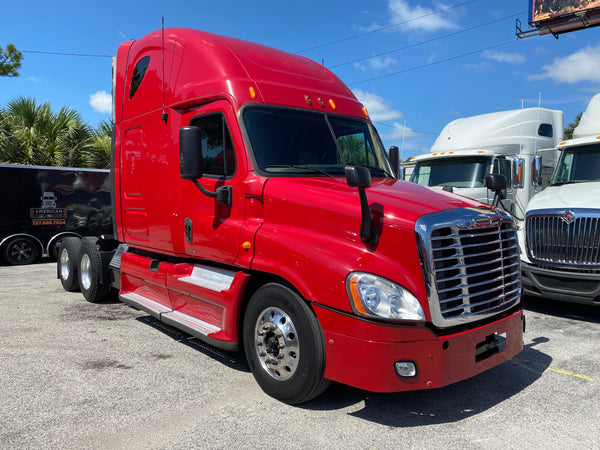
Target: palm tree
x,y
101,145
30,133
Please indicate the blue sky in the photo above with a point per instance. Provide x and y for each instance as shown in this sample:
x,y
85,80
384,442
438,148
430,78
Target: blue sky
x,y
414,68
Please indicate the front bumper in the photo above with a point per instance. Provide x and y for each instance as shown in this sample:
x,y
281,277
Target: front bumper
x,y
362,354
572,287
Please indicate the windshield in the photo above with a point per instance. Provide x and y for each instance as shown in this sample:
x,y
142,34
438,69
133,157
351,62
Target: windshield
x,y
463,172
578,165
286,142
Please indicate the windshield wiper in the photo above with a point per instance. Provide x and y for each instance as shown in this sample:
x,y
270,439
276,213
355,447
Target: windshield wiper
x,y
296,166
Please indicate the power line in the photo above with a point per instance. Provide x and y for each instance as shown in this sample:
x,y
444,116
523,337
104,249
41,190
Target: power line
x,y
427,41
431,64
385,27
66,54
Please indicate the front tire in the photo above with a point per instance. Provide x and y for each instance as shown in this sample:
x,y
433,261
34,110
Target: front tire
x,y
20,251
68,256
90,272
284,345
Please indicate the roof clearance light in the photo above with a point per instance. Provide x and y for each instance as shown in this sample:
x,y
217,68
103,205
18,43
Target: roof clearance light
x,y
597,137
366,112
321,102
480,151
252,92
308,100
562,143
332,104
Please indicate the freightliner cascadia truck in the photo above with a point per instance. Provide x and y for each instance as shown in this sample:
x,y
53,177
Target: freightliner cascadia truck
x,y
561,258
255,208
511,143
42,205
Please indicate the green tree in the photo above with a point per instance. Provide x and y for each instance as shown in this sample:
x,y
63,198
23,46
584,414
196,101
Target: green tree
x,y
101,145
353,149
571,127
10,61
31,134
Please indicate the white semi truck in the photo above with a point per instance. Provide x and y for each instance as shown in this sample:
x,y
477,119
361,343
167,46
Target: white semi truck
x,y
520,144
561,260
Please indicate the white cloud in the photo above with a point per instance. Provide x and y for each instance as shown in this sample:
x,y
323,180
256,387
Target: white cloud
x,y
583,65
101,101
381,63
378,109
419,17
398,132
503,57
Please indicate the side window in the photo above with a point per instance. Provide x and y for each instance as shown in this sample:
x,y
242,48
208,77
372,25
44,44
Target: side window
x,y
545,130
218,155
504,167
138,75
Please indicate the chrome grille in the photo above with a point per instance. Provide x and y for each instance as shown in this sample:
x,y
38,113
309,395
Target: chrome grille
x,y
568,239
470,260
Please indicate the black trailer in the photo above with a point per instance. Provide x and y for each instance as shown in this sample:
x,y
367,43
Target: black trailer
x,y
42,205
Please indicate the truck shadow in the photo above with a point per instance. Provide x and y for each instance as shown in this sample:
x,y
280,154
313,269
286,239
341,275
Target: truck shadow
x,y
234,360
406,409
573,311
445,405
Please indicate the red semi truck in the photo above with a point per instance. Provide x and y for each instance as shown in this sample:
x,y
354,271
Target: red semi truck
x,y
255,208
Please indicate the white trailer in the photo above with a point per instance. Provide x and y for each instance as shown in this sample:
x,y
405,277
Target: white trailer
x,y
520,144
561,255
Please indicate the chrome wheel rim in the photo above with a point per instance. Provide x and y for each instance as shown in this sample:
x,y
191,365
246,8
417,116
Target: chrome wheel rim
x,y
64,264
276,343
85,275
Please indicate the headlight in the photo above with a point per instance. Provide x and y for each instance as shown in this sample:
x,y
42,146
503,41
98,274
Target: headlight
x,y
372,295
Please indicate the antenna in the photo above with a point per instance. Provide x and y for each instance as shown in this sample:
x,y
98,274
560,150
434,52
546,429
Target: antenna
x,y
402,151
165,115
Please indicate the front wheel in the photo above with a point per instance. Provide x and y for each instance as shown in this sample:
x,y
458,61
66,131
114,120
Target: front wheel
x,y
20,251
284,345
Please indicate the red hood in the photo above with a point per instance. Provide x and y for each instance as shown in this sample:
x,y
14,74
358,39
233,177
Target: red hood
x,y
400,202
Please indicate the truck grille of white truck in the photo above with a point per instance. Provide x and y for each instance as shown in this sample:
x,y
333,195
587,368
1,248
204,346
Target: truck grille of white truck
x,y
568,240
470,261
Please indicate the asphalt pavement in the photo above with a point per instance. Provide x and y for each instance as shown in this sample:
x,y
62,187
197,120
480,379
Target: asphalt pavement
x,y
76,375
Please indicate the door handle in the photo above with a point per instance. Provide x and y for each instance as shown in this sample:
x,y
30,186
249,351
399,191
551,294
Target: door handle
x,y
189,231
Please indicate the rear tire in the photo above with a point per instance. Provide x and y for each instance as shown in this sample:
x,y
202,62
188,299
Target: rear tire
x,y
66,261
92,287
20,251
284,345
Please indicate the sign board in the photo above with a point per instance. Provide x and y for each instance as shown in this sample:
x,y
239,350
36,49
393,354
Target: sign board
x,y
550,10
560,16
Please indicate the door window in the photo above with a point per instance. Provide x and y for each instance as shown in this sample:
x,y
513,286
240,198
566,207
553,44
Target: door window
x,y
218,156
